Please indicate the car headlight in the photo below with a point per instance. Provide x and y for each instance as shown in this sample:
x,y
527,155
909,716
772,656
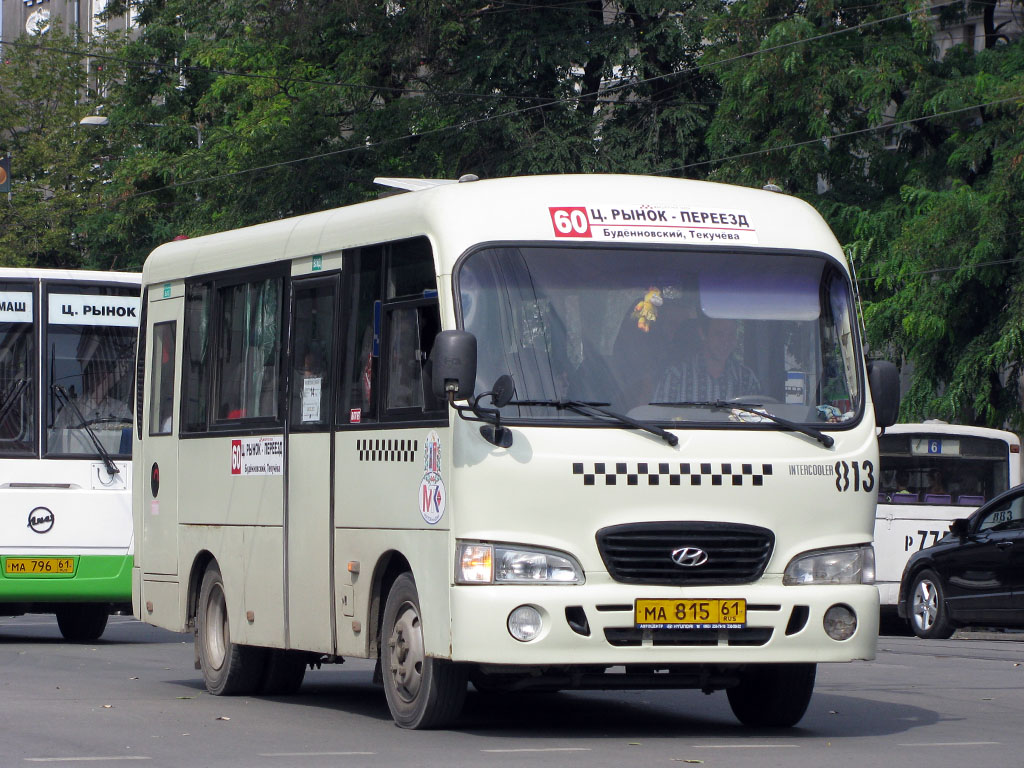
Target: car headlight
x,y
481,563
846,565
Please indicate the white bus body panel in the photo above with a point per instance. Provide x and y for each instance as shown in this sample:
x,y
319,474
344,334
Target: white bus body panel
x,y
91,510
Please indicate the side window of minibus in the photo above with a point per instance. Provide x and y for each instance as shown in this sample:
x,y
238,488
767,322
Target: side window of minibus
x,y
412,321
161,389
362,271
249,350
195,365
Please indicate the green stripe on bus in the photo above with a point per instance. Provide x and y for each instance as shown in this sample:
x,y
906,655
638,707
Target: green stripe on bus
x,y
99,578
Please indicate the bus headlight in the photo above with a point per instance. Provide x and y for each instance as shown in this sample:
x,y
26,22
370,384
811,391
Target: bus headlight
x,y
844,565
481,563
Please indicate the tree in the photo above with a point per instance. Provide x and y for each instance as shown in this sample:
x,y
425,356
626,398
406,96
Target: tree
x,y
57,165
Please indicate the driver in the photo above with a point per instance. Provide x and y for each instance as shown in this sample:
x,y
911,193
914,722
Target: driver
x,y
713,372
97,403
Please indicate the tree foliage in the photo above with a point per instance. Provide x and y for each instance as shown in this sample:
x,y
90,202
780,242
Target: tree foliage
x,y
58,167
230,113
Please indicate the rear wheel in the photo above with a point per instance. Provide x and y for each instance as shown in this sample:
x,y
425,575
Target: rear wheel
x,y
284,672
422,692
82,622
928,615
228,668
774,695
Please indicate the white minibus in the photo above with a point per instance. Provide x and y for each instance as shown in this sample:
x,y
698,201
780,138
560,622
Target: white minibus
x,y
530,433
67,358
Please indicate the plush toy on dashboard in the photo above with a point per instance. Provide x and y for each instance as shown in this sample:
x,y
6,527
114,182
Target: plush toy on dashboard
x,y
646,310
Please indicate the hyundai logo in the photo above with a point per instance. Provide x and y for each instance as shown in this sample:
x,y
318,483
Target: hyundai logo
x,y
689,557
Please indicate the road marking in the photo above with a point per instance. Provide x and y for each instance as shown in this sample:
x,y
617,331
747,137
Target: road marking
x,y
313,754
953,744
745,746
84,759
541,749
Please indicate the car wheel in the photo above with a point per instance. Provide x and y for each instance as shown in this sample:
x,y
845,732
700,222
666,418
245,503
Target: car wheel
x,y
229,669
422,692
772,695
929,617
284,672
82,622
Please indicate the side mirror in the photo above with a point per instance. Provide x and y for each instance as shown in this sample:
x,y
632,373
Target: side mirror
x,y
453,365
884,380
959,528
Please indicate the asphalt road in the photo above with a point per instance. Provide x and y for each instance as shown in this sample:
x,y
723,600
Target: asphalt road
x,y
134,697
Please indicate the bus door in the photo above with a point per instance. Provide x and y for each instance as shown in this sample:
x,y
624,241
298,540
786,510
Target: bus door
x,y
159,471
309,516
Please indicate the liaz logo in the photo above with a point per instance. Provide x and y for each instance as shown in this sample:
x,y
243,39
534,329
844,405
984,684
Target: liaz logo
x,y
40,520
236,457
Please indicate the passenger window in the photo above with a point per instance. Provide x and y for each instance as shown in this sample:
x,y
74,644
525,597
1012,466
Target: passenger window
x,y
249,350
1006,517
364,268
196,364
161,385
313,320
411,332
411,269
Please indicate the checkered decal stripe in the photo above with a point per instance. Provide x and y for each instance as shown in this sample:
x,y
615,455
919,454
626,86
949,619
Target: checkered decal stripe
x,y
387,450
674,473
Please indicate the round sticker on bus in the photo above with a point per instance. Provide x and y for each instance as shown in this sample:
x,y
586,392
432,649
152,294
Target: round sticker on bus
x,y
432,498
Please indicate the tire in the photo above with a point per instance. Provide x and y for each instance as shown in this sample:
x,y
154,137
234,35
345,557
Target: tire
x,y
929,617
283,673
82,622
422,692
229,669
772,695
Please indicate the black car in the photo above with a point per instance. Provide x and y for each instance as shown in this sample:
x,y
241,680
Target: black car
x,y
974,575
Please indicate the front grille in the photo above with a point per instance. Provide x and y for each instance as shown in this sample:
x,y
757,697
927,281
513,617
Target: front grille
x,y
641,553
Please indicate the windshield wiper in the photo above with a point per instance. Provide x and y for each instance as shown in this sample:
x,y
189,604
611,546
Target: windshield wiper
x,y
817,434
62,394
9,398
589,409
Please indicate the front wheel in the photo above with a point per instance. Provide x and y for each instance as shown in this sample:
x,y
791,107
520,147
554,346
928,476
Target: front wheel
x,y
82,622
228,668
772,695
422,692
928,615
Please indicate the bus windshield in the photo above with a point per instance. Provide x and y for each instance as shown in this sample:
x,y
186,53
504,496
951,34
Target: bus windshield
x,y
88,370
17,371
663,335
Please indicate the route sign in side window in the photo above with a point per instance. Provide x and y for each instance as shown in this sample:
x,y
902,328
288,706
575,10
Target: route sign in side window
x,y
312,358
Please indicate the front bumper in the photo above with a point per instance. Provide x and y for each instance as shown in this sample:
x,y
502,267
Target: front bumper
x,y
96,578
784,624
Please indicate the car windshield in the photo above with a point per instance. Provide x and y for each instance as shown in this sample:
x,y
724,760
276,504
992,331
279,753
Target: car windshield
x,y
89,368
665,335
